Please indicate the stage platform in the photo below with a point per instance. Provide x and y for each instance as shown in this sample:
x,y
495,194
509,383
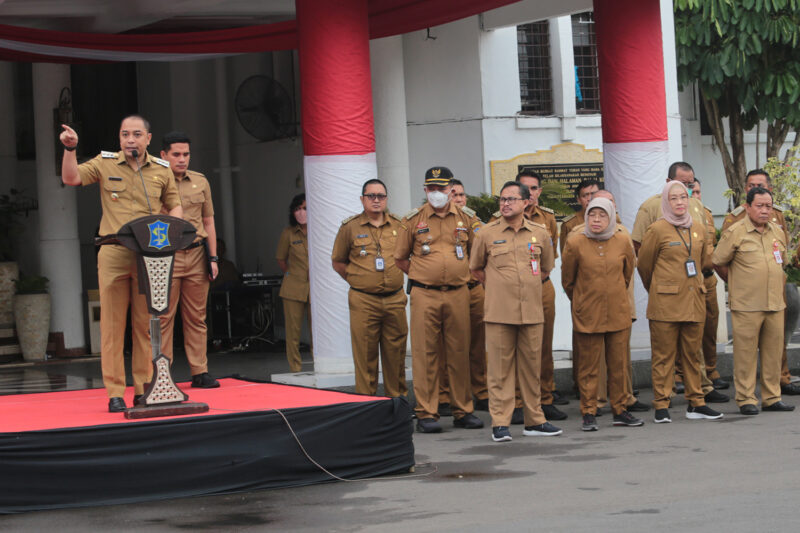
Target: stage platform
x,y
64,449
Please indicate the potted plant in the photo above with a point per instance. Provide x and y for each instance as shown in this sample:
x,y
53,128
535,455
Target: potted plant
x,y
785,177
11,207
32,315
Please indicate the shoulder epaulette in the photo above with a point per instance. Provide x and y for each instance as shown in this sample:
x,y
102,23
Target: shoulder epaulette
x,y
736,212
348,219
396,217
708,209
777,208
109,155
568,218
411,213
160,161
497,214
494,222
547,210
195,174
538,225
469,212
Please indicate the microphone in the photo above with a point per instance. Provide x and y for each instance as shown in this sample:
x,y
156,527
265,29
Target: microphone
x,y
135,154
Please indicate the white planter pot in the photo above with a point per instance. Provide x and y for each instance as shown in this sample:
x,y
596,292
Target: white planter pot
x,y
9,271
32,314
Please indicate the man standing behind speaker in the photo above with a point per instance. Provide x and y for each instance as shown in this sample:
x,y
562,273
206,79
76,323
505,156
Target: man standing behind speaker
x,y
191,275
133,184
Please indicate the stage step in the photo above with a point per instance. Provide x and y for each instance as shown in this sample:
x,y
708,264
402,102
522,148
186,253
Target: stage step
x,y
6,333
10,349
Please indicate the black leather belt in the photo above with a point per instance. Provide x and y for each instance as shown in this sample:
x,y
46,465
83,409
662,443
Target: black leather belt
x,y
379,294
194,245
472,284
442,288
545,280
708,273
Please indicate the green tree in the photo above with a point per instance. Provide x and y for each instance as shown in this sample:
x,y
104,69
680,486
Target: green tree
x,y
743,55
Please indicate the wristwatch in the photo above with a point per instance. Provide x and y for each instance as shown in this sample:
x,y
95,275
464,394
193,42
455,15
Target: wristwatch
x,y
214,259
70,148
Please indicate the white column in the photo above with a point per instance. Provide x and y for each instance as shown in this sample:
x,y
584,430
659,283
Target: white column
x,y
563,66
391,132
225,170
59,247
671,82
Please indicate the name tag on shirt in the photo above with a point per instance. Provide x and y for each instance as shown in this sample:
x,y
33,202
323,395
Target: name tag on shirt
x,y
379,264
535,267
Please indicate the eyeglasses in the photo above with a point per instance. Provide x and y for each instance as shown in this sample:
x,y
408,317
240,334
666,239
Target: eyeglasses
x,y
510,200
534,187
374,197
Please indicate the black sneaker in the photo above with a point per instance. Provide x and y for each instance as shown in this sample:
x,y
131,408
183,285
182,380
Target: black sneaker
x,y
518,417
501,434
638,407
720,384
790,389
468,421
589,423
662,417
444,409
428,425
716,397
702,412
551,412
559,399
627,419
204,381
544,430
482,405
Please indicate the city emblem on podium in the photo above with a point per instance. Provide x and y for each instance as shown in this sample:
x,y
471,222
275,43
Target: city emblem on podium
x,y
158,234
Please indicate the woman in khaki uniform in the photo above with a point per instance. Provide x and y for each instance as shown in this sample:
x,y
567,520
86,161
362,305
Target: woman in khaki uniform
x,y
292,256
673,254
596,268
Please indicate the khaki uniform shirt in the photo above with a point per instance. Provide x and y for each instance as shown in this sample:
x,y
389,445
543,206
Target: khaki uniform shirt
x,y
121,193
568,224
541,215
755,278
624,231
650,211
594,273
441,266
513,289
357,234
196,200
673,296
293,248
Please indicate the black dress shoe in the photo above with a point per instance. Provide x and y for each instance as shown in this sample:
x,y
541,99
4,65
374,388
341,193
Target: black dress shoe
x,y
716,397
559,399
638,407
428,425
551,412
482,405
720,384
116,405
468,421
777,406
748,409
790,389
204,381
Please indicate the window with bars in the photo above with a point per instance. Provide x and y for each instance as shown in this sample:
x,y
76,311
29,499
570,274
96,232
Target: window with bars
x,y
535,74
587,78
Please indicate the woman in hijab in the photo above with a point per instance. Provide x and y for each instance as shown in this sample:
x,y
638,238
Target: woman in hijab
x,y
671,258
596,269
292,256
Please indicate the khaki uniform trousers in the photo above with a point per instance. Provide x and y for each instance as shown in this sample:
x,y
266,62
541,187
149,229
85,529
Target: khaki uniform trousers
x,y
477,351
610,347
670,341
379,322
440,320
119,288
547,373
190,288
757,332
709,344
513,355
293,315
786,377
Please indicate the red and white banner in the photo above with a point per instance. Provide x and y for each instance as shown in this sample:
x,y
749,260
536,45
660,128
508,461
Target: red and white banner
x,y
386,17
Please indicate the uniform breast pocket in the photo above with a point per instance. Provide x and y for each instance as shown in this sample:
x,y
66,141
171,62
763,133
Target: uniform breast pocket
x,y
361,243
667,289
197,199
502,257
749,246
115,188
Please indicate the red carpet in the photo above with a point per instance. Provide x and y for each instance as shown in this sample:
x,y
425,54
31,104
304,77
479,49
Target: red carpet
x,y
83,408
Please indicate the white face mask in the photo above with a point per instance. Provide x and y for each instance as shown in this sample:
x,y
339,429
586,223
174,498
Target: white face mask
x,y
437,199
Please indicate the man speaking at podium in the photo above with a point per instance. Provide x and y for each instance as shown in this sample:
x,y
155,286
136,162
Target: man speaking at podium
x,y
132,184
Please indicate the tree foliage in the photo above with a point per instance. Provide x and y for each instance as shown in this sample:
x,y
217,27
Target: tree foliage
x,y
743,55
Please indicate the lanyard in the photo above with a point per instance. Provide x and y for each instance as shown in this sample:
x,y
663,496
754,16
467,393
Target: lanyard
x,y
688,246
378,240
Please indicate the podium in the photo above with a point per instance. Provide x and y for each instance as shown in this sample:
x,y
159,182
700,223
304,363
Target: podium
x,y
155,239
